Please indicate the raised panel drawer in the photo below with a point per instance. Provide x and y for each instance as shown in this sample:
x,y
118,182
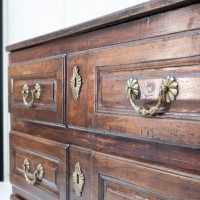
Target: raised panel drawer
x,y
110,177
49,74
51,156
103,104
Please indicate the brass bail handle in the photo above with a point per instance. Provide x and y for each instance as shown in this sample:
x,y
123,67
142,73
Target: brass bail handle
x,y
35,94
38,174
168,93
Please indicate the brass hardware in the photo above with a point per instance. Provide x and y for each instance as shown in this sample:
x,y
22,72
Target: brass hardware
x,y
78,179
168,92
38,174
35,94
76,83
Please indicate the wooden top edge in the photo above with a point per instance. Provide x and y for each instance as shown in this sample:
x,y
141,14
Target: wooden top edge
x,y
125,15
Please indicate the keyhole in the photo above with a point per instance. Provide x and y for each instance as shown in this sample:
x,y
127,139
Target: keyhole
x,y
74,82
77,179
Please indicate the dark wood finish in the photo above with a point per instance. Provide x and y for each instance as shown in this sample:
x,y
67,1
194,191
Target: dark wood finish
x,y
172,155
80,107
110,91
151,26
131,180
116,178
132,13
20,195
13,197
84,159
52,156
49,73
122,155
106,71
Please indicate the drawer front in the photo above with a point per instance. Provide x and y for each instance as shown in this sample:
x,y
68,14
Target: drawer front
x,y
83,158
14,197
103,103
47,162
125,179
21,195
117,178
42,82
77,108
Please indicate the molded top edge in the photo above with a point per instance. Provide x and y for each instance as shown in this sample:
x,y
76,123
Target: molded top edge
x,y
125,15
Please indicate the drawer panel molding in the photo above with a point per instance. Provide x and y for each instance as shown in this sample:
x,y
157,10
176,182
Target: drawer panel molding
x,y
38,166
37,90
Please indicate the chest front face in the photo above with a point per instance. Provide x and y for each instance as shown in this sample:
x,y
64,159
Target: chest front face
x,y
111,113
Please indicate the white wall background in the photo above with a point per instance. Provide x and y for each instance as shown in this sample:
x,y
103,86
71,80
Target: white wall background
x,y
24,19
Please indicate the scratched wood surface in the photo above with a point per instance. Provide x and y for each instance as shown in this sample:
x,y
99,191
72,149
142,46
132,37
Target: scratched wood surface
x,y
122,155
106,71
117,178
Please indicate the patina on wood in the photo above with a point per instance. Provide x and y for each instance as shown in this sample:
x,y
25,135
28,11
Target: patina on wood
x,y
120,154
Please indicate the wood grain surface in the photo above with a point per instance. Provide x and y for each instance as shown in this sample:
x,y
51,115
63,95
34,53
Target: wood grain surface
x,y
132,13
122,155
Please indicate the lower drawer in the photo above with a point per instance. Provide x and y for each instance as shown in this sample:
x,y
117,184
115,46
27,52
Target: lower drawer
x,y
38,166
14,197
109,177
20,195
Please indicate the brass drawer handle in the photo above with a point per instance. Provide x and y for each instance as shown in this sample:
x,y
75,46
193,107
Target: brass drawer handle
x,y
168,93
78,179
35,94
38,174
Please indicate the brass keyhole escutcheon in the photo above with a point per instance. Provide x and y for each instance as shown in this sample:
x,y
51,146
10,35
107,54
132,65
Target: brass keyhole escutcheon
x,y
78,179
76,83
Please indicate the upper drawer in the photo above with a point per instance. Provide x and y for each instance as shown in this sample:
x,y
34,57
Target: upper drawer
x,y
106,74
36,89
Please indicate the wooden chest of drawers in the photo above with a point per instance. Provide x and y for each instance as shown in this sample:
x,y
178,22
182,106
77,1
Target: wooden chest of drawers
x,y
109,109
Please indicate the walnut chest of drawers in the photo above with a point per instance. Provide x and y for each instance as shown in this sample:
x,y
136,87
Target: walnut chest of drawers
x,y
109,109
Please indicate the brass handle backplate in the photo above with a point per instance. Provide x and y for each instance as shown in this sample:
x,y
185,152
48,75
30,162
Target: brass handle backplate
x,y
78,179
35,94
168,92
38,174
